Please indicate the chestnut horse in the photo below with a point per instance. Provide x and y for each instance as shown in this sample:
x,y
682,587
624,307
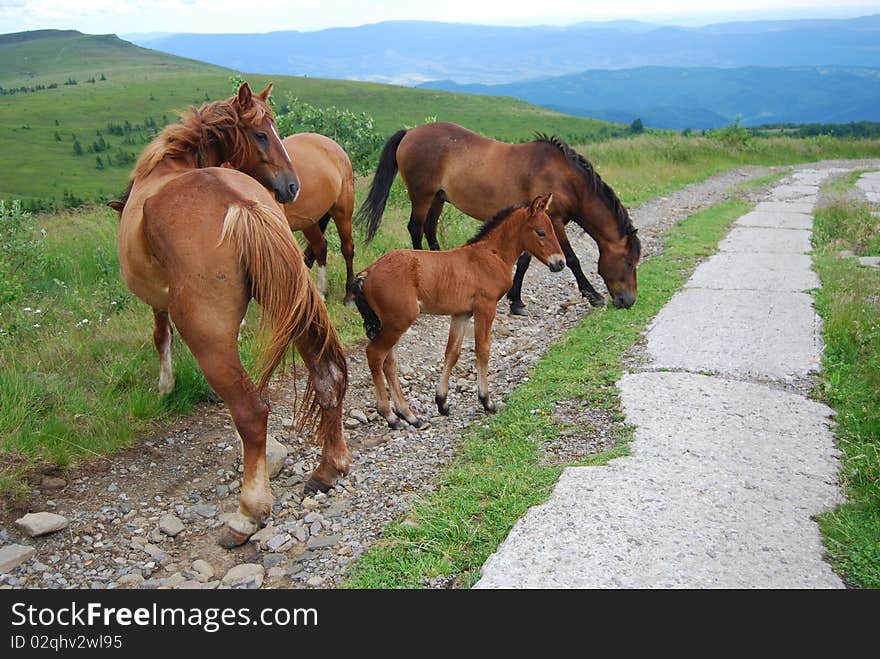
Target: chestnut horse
x,y
462,282
327,179
197,242
443,162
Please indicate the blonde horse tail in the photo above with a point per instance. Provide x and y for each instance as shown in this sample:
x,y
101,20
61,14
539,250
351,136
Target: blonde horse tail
x,y
292,307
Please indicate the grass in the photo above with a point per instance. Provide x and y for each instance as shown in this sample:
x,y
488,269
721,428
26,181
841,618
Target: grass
x,y
499,472
850,307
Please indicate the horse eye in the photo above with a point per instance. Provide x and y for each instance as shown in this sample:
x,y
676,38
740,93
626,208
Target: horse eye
x,y
262,137
540,233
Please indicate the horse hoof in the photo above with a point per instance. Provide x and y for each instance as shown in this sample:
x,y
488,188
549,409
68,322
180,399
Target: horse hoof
x,y
442,406
418,423
518,309
238,531
397,424
595,301
314,485
488,405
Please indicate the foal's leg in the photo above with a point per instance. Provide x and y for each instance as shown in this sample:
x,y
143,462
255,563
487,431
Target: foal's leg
x,y
571,260
457,325
329,381
377,351
431,221
514,295
342,213
162,337
401,406
318,247
211,335
484,316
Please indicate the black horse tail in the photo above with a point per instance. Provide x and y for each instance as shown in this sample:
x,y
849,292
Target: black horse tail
x,y
372,324
370,212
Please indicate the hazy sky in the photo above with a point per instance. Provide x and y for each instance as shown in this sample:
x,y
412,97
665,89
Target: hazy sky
x,y
127,16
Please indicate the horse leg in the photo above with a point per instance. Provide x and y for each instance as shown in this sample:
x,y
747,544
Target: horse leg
x,y
215,347
163,334
416,224
432,219
571,260
453,350
514,295
401,406
329,380
318,246
483,319
377,351
342,219
309,255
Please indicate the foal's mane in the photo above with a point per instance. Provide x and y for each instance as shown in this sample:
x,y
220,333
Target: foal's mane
x,y
199,128
600,187
496,219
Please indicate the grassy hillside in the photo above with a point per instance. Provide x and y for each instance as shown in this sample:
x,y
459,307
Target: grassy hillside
x,y
39,129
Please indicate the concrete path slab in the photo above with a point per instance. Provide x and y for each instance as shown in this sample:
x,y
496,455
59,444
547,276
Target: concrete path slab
x,y
794,192
784,206
760,272
776,219
719,492
869,183
772,241
737,333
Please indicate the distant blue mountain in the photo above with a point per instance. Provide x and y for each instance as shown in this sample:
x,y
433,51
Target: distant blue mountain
x,y
412,52
664,97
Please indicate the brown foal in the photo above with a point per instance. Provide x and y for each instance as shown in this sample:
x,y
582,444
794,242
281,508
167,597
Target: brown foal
x,y
462,282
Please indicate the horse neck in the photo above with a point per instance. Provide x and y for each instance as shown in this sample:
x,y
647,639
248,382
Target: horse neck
x,y
598,220
505,240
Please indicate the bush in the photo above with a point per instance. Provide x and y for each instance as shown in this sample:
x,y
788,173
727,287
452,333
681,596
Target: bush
x,y
354,132
22,255
733,135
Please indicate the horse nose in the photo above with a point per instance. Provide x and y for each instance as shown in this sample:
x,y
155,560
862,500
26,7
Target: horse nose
x,y
624,300
556,263
294,190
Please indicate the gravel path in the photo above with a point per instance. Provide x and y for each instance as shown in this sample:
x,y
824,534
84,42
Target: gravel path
x,y
149,516
730,460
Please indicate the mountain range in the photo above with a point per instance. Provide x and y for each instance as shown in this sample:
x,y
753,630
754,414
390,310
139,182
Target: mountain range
x,y
413,52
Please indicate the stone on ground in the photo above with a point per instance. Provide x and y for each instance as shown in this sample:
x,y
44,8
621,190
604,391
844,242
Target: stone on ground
x,y
37,524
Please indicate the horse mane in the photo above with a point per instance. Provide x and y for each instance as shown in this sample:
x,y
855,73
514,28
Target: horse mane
x,y
600,187
496,219
199,128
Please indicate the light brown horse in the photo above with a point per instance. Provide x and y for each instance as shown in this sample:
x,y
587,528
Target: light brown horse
x,y
462,282
443,162
327,180
197,242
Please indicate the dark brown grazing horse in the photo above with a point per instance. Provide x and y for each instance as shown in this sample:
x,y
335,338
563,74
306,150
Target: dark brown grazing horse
x,y
197,242
462,282
327,179
443,162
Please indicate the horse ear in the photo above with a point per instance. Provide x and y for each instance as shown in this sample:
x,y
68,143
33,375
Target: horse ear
x,y
547,203
244,95
537,205
264,95
118,206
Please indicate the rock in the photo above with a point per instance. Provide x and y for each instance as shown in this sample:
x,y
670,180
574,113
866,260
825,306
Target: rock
x,y
189,585
156,536
276,454
264,534
52,483
170,525
276,572
36,524
351,424
174,580
320,542
870,261
205,510
300,533
154,552
315,581
845,253
246,575
360,415
11,556
204,569
130,579
277,542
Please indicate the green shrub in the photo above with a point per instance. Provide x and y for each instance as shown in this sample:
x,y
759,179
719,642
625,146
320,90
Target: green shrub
x,y
22,254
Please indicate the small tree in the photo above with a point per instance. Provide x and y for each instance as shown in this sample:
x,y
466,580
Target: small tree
x,y
636,126
99,164
77,148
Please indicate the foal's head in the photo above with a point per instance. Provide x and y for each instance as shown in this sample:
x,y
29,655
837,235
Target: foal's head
x,y
537,234
253,144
